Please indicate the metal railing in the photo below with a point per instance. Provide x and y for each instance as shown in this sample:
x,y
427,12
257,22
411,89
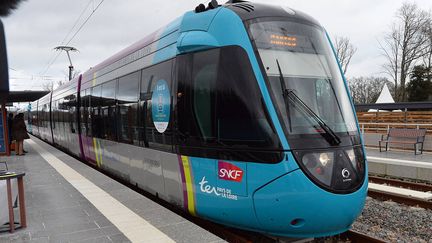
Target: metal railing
x,y
386,126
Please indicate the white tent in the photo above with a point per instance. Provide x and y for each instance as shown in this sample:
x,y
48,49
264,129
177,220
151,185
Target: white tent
x,y
384,97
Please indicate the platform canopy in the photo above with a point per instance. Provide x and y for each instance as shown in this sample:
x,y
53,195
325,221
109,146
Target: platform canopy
x,y
24,96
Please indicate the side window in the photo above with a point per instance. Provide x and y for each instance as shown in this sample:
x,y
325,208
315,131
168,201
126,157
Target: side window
x,y
127,98
84,114
54,113
157,106
72,104
108,110
204,78
96,124
221,110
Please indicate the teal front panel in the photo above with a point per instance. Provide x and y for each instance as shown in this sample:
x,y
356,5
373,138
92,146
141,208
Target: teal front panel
x,y
220,199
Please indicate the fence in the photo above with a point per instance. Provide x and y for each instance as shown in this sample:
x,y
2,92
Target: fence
x,y
381,122
373,124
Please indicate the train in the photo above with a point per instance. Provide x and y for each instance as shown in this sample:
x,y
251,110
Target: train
x,y
238,113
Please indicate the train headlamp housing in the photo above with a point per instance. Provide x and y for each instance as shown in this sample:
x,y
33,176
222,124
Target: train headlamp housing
x,y
324,158
336,170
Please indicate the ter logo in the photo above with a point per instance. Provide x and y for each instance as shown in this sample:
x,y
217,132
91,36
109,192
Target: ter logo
x,y
230,172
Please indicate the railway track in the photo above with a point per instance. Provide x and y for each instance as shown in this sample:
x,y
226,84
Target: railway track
x,y
357,237
399,183
407,200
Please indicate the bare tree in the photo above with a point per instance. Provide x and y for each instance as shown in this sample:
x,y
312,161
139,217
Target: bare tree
x,y
427,58
6,6
404,45
48,86
344,51
59,83
366,90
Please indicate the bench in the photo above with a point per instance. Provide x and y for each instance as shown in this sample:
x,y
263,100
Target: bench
x,y
404,136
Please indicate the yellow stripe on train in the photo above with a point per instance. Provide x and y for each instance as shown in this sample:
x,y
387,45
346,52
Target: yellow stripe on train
x,y
189,185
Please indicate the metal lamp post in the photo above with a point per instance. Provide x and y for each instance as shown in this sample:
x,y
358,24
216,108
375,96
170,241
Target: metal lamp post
x,y
67,49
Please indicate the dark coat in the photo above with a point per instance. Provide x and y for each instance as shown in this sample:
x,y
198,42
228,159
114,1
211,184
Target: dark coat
x,y
9,124
19,131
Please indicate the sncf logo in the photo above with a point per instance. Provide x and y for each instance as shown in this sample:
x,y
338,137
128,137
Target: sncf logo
x,y
230,172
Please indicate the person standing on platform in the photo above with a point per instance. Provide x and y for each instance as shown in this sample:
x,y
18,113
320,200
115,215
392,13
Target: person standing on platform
x,y
9,124
19,133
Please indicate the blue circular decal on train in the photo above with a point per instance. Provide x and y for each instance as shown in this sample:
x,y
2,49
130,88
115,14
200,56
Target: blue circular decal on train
x,y
161,104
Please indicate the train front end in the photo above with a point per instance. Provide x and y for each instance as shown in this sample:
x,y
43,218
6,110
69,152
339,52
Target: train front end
x,y
327,193
269,138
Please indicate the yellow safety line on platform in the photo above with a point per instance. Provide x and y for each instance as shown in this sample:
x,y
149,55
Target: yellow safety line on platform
x,y
134,227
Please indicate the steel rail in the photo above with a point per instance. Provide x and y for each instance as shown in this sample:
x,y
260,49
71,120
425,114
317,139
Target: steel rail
x,y
358,237
399,183
410,201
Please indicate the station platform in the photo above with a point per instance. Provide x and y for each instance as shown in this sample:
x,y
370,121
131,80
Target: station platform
x,y
400,164
68,201
399,154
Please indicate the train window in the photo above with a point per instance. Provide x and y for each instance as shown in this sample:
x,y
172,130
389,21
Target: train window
x,y
71,109
54,115
325,101
146,81
221,110
127,123
96,120
59,119
108,93
46,115
108,110
85,99
128,88
127,97
153,77
204,80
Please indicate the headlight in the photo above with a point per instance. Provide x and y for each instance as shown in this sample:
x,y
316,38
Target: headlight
x,y
351,156
338,170
320,165
324,158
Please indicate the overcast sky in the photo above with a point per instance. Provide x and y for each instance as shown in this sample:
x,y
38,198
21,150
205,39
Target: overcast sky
x,y
37,26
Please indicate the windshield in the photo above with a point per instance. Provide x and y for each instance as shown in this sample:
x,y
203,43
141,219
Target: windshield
x,y
304,77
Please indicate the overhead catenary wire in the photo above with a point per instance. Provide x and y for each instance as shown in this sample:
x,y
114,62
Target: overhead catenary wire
x,y
82,25
76,21
94,5
55,56
75,34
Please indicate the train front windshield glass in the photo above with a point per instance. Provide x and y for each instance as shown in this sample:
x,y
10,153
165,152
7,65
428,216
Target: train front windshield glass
x,y
304,77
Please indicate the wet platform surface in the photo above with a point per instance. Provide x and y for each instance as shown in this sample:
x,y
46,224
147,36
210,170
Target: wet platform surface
x,y
58,212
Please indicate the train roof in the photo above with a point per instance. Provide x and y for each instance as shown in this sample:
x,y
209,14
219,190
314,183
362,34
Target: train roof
x,y
245,10
250,10
174,25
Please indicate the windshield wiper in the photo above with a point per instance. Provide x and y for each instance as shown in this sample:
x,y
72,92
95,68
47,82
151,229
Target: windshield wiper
x,y
285,95
328,134
288,94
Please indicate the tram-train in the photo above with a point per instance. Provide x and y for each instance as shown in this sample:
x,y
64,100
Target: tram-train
x,y
239,113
